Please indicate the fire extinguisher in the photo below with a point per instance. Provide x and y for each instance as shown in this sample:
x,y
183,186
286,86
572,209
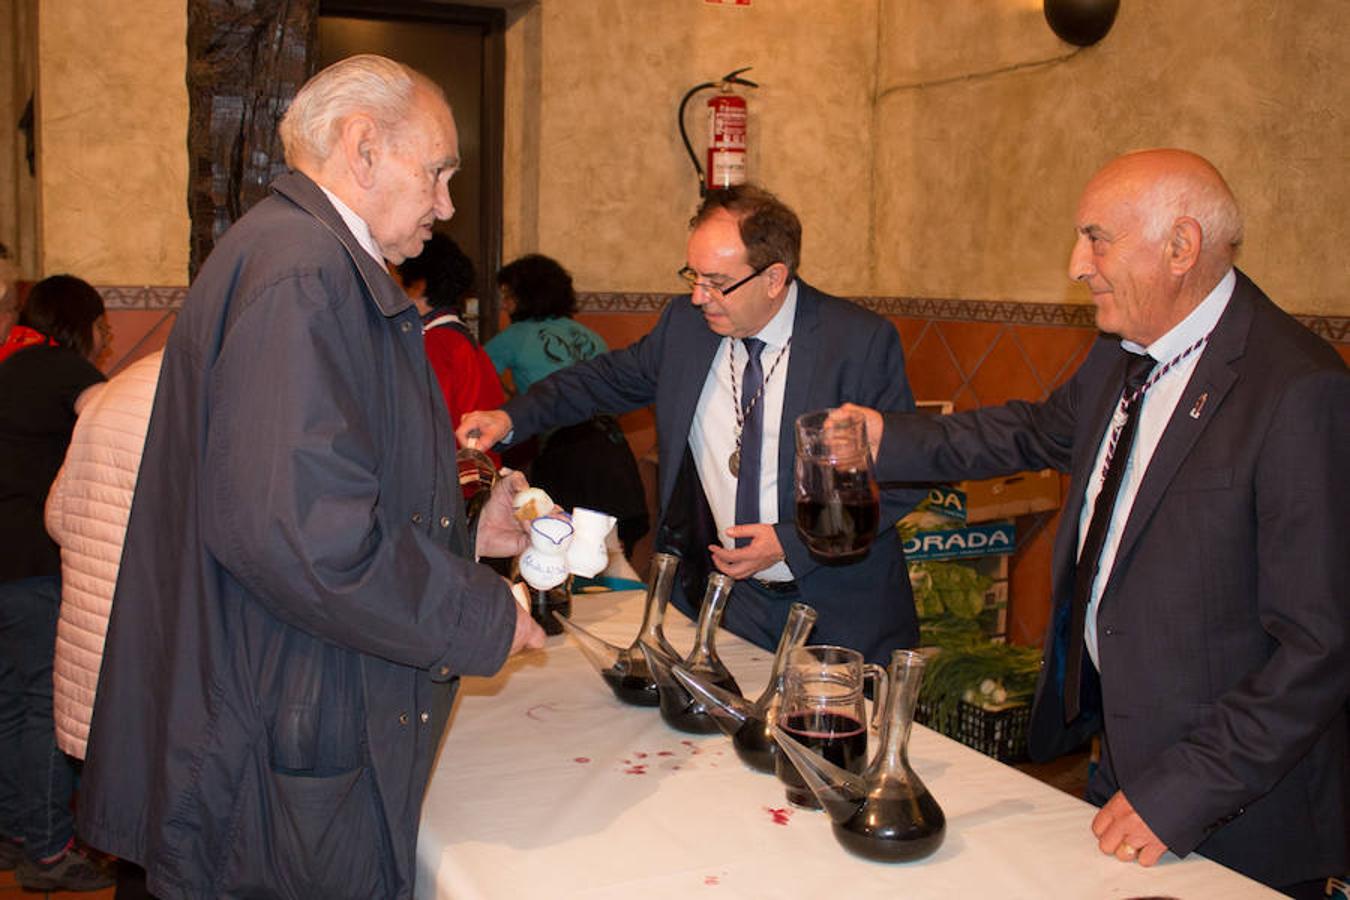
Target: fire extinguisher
x,y
726,151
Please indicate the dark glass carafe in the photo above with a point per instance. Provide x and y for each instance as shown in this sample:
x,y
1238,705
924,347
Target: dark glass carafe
x,y
544,604
680,709
754,741
886,813
748,722
626,671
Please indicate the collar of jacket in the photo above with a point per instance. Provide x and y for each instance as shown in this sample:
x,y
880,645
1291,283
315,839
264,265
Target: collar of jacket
x,y
21,336
387,296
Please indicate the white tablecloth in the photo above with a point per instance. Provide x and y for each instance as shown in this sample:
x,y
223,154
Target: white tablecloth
x,y
547,786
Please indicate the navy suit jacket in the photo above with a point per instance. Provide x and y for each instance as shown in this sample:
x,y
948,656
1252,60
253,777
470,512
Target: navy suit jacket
x,y
1224,627
840,352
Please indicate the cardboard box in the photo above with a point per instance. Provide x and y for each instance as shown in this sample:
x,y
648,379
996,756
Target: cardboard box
x,y
943,507
939,537
933,577
1016,495
966,542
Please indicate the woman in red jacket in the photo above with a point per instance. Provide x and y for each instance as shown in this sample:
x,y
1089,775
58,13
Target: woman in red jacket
x,y
438,281
46,362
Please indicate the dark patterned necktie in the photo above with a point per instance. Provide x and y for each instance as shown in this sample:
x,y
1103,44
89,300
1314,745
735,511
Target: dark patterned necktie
x,y
752,436
1117,454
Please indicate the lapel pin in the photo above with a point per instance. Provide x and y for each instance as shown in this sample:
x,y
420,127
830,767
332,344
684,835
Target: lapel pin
x,y
1199,405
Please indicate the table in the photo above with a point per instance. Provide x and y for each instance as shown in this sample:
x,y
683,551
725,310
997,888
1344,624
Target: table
x,y
547,786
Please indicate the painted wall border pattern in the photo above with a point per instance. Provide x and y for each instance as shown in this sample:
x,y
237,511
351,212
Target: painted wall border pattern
x,y
144,297
1073,315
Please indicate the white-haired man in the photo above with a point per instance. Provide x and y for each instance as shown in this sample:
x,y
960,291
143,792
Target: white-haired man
x,y
298,594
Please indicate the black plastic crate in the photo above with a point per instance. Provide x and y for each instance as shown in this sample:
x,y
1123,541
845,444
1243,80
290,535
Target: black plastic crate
x,y
1001,734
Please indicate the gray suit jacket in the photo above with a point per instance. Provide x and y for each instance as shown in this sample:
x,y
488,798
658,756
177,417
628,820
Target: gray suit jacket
x,y
840,352
1224,632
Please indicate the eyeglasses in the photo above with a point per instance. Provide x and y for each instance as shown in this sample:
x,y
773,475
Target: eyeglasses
x,y
694,280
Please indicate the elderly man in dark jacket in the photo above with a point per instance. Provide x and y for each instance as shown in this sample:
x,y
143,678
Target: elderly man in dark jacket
x,y
298,593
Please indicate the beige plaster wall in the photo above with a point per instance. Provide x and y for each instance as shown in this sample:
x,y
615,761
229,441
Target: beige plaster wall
x,y
112,119
978,175
596,174
955,183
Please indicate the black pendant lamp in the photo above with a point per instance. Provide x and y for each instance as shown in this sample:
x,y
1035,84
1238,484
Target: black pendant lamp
x,y
1081,22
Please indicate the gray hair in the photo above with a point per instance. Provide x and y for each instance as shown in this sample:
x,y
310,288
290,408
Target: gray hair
x,y
374,85
1207,200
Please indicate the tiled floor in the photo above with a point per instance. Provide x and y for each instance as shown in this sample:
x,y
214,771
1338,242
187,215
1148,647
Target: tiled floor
x,y
10,890
1068,773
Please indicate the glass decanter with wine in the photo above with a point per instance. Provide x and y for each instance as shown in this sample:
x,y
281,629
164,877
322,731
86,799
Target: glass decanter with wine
x,y
838,501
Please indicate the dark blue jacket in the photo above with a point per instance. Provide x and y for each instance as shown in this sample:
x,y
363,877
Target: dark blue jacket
x,y
297,593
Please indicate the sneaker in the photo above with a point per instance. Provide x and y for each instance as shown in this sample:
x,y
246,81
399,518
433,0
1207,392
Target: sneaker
x,y
11,851
72,872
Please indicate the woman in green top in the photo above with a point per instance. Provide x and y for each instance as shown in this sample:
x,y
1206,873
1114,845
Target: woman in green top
x,y
542,338
589,464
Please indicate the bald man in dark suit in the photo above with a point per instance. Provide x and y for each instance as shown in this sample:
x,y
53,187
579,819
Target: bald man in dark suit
x,y
1202,614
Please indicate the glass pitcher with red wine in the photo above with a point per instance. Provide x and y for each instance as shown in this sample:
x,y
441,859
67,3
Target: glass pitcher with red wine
x,y
823,707
883,812
838,501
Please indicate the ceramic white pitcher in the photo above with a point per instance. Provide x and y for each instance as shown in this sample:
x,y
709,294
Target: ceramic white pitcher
x,y
543,565
588,555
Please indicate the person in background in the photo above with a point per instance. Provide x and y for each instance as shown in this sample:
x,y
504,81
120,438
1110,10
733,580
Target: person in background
x,y
748,316
46,363
9,293
1201,623
589,464
87,512
298,593
438,280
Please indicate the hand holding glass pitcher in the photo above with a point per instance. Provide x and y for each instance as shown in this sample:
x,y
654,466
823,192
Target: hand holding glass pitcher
x,y
838,501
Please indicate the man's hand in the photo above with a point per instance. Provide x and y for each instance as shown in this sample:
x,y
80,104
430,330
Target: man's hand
x,y
1123,834
873,421
483,428
528,636
742,562
500,533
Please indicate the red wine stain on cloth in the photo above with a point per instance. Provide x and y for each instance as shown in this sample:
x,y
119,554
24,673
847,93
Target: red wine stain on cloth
x,y
533,711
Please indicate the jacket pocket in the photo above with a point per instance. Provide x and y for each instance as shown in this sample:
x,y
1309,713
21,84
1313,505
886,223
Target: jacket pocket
x,y
1203,480
302,837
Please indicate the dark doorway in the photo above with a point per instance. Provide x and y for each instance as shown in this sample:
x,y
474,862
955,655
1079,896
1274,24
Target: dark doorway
x,y
461,48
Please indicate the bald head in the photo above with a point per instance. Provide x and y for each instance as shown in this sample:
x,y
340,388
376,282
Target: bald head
x,y
1157,230
1165,185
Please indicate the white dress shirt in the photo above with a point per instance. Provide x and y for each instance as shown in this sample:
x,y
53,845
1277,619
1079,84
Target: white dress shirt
x,y
1155,411
355,224
712,438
